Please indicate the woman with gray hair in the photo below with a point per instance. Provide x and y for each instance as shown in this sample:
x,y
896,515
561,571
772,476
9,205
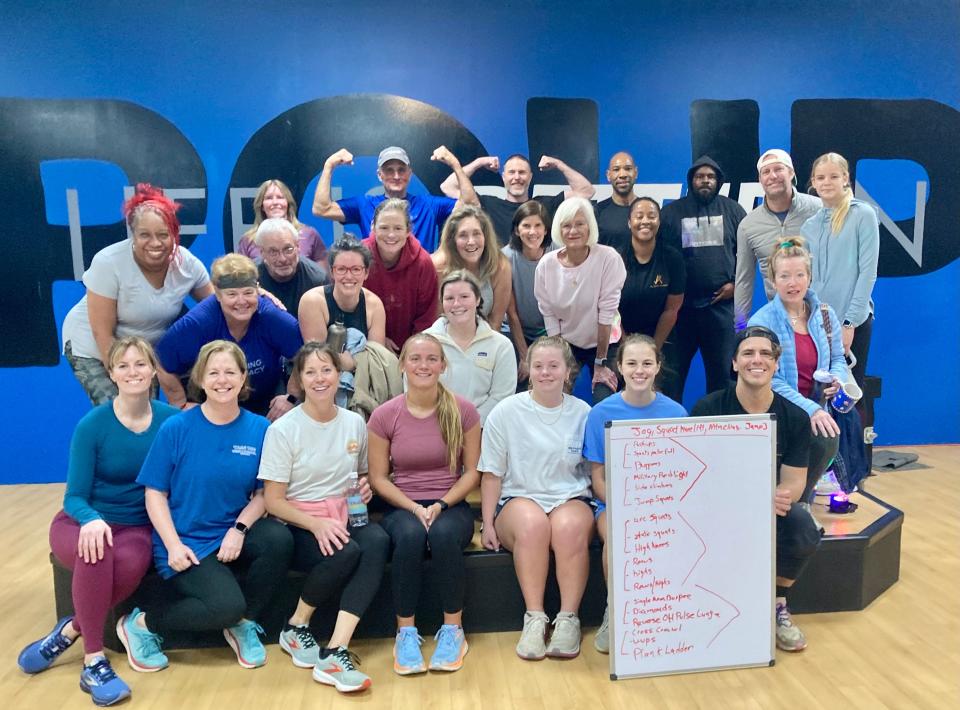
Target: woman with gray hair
x,y
578,291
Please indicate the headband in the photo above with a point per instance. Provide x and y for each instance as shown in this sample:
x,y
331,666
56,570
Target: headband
x,y
236,280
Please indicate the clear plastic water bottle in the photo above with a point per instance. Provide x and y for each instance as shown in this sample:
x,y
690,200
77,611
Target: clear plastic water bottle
x,y
356,509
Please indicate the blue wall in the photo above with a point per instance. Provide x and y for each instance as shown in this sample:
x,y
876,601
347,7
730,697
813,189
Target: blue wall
x,y
219,75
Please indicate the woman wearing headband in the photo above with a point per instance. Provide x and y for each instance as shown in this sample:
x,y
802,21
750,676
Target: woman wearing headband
x,y
134,287
236,312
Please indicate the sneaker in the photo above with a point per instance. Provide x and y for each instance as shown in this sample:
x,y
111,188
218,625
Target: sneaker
x,y
105,686
601,641
39,655
407,658
143,646
244,639
532,645
827,485
339,669
565,641
451,648
789,636
301,645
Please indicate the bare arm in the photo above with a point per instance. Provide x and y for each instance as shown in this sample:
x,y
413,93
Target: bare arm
x,y
470,477
490,487
668,318
451,186
313,316
598,481
323,206
179,556
102,313
579,185
468,195
170,384
201,292
502,290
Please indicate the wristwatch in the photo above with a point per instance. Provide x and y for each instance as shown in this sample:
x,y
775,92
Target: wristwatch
x,y
240,527
443,505
600,361
293,400
848,324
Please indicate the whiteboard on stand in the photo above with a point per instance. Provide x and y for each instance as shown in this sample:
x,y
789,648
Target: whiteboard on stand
x,y
690,544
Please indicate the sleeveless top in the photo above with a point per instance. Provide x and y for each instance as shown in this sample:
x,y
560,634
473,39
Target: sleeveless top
x,y
353,319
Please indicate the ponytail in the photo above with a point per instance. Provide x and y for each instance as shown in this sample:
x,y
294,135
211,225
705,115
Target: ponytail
x,y
451,426
787,248
840,212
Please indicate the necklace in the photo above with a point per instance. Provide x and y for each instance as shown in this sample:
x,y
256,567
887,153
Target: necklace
x,y
537,407
803,312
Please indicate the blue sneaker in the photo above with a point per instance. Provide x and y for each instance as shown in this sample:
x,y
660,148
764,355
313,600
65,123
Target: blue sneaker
x,y
407,658
105,686
244,639
39,655
143,646
451,648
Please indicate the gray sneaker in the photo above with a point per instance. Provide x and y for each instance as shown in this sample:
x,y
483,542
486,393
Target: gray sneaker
x,y
532,645
789,636
601,641
565,641
299,642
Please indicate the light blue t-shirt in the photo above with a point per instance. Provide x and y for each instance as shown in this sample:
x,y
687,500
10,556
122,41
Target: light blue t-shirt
x,y
614,409
208,472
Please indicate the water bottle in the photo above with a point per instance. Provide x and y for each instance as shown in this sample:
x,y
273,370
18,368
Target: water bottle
x,y
337,336
356,508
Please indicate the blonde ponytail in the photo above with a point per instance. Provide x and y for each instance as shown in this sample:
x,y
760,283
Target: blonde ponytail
x,y
840,212
451,426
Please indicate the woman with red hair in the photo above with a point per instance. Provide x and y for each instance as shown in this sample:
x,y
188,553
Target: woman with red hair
x,y
134,287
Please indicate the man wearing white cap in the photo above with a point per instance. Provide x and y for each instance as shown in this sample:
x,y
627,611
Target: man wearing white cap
x,y
427,212
780,215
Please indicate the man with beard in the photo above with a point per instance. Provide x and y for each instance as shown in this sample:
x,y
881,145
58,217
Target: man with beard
x,y
703,225
798,534
517,175
782,213
427,212
613,213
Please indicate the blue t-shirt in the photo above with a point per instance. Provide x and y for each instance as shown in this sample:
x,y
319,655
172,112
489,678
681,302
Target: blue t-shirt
x,y
208,471
614,409
272,333
105,458
427,215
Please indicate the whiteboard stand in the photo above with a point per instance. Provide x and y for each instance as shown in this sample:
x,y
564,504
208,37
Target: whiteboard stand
x,y
690,544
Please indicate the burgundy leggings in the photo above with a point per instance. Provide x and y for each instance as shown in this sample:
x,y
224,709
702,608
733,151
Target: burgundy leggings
x,y
98,587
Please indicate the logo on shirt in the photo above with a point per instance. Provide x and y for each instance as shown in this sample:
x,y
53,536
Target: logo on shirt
x,y
255,367
244,450
702,231
658,281
353,447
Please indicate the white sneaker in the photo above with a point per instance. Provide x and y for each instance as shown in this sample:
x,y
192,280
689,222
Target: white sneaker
x,y
532,645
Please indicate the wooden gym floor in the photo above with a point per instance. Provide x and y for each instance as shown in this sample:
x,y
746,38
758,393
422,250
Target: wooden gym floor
x,y
903,651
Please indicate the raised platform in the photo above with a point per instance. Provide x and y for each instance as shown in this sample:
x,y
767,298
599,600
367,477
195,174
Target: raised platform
x,y
858,560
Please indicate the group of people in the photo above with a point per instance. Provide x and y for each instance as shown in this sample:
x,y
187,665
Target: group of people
x,y
241,475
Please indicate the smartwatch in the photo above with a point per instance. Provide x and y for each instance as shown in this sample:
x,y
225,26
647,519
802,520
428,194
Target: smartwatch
x,y
293,400
241,527
847,324
443,505
600,361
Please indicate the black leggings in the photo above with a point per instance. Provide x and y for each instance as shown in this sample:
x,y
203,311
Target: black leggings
x,y
860,347
798,537
447,537
356,569
209,596
586,357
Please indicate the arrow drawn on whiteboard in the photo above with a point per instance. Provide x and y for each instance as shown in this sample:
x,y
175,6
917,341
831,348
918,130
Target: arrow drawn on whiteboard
x,y
702,544
732,619
702,469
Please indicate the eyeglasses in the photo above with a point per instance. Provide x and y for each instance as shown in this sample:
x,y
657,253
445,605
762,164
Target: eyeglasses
x,y
273,252
344,270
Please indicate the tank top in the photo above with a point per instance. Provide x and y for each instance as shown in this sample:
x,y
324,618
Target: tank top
x,y
353,319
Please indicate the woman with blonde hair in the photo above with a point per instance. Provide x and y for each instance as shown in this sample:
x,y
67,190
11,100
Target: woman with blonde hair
x,y
274,199
238,313
468,242
844,241
430,438
103,533
536,495
220,559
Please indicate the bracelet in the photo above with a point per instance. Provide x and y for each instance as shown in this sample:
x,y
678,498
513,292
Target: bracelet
x,y
183,406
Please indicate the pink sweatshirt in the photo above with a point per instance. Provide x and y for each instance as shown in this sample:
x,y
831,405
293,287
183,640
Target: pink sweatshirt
x,y
575,300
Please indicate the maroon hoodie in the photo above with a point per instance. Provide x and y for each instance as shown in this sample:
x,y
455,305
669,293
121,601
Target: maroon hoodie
x,y
408,290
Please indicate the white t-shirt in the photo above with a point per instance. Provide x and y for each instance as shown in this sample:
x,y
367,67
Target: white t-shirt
x,y
141,309
537,451
314,458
